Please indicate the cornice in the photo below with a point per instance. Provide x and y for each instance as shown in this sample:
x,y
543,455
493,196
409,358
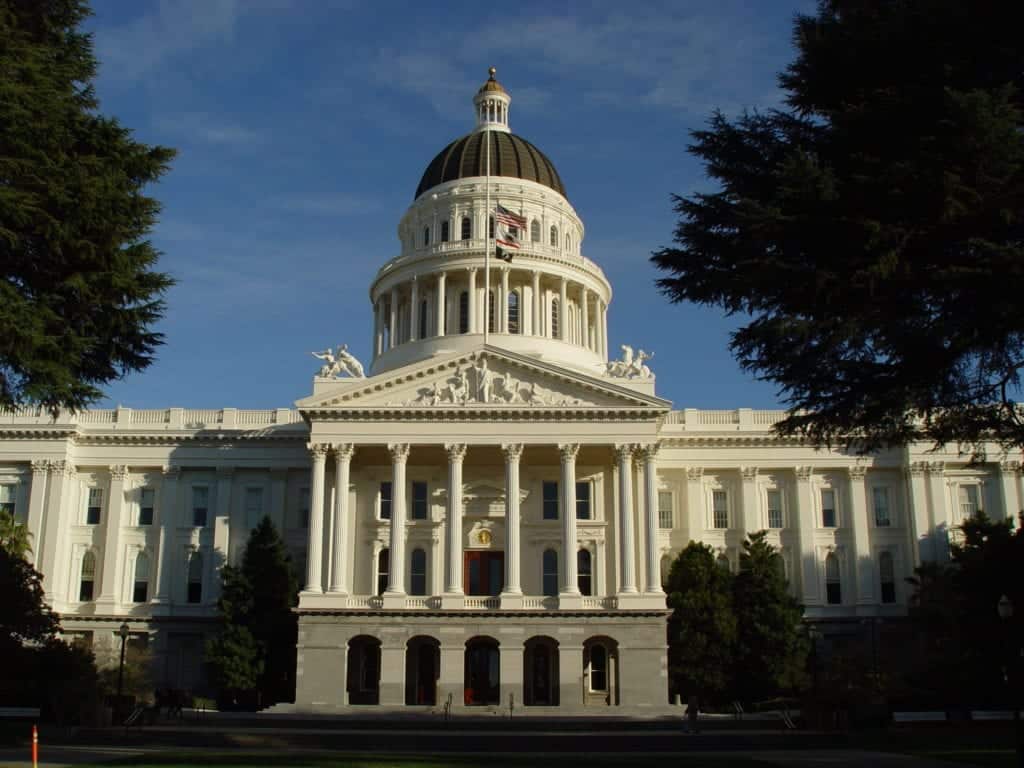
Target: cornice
x,y
488,413
460,614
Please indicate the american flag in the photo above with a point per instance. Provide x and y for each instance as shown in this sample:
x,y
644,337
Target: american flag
x,y
508,231
504,216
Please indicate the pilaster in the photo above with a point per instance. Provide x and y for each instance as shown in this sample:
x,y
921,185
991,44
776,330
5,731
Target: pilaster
x,y
453,593
569,596
168,515
55,522
650,459
36,505
394,596
111,586
863,562
941,519
512,595
221,526
751,507
807,565
918,516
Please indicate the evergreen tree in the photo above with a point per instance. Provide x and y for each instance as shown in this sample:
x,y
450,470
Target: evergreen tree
x,y
253,658
78,292
25,618
14,536
771,644
702,627
873,231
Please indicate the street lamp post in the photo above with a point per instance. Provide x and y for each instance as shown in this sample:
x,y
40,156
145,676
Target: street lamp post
x,y
1005,609
122,632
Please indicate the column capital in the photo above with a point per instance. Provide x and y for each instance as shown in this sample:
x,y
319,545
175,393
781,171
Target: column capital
x,y
803,473
649,452
915,469
568,451
471,270
456,452
61,467
694,473
1009,467
512,451
40,466
343,450
935,467
857,472
118,471
749,473
399,452
171,471
225,473
318,450
624,451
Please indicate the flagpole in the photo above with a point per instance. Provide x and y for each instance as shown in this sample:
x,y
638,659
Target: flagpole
x,y
487,241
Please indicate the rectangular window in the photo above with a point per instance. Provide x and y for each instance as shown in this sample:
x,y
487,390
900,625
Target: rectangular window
x,y
94,509
550,500
7,497
253,506
828,508
583,501
303,508
720,509
419,501
969,497
147,497
880,497
665,510
385,500
774,509
200,505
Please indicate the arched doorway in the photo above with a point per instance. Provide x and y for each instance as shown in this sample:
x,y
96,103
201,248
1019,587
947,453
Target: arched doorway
x,y
540,672
600,672
363,678
422,667
482,683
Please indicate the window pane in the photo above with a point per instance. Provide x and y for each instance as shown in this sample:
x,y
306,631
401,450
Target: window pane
x,y
968,500
774,509
385,500
550,572
513,312
253,506
200,503
664,509
444,231
95,508
147,496
195,578
419,501
584,571
828,508
720,503
467,228
881,503
598,668
833,591
383,560
463,312
583,501
418,573
550,500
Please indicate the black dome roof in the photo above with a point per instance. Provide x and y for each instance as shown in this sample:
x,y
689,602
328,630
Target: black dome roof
x,y
511,156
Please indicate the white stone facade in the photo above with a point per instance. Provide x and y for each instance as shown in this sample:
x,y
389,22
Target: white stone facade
x,y
489,513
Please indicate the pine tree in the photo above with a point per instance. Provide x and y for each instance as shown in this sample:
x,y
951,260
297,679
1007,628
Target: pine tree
x,y
872,233
78,292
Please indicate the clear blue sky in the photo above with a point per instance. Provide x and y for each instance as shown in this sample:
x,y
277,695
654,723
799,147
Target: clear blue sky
x,y
303,127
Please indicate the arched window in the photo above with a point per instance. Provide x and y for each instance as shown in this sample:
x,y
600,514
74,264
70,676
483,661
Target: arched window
x,y
444,231
723,562
833,588
467,228
88,581
554,236
464,312
513,312
490,311
418,572
554,318
490,227
426,236
598,668
195,578
550,566
887,575
584,572
383,569
568,242
140,592
535,231
423,319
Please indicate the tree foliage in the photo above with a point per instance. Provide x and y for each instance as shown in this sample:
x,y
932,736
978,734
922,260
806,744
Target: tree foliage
x,y
78,292
873,230
24,615
253,657
14,537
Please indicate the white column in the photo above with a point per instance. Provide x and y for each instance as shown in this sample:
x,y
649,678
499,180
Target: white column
x,y
627,544
441,300
569,588
110,579
473,326
695,511
807,558
941,519
36,505
536,305
342,526
512,557
55,521
650,456
503,312
393,319
604,328
396,578
415,332
1008,473
453,525
863,561
585,316
563,309
751,505
168,521
918,520
314,551
378,328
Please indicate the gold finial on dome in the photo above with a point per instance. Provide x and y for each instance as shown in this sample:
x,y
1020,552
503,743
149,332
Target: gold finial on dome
x,y
492,72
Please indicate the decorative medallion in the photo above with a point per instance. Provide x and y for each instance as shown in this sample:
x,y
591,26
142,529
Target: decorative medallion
x,y
484,537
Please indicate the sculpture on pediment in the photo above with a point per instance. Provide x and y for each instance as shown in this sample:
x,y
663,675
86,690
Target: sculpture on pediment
x,y
631,366
479,385
484,382
338,362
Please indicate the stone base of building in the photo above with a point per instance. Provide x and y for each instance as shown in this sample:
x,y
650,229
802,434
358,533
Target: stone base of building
x,y
557,662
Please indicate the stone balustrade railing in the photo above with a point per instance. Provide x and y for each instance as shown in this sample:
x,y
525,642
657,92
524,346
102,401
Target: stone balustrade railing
x,y
159,419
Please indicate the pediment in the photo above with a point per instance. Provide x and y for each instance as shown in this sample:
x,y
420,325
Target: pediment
x,y
485,379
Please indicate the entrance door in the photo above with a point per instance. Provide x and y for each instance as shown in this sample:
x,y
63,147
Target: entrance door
x,y
482,681
484,573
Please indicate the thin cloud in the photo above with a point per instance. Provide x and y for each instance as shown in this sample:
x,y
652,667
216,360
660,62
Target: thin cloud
x,y
209,129
330,205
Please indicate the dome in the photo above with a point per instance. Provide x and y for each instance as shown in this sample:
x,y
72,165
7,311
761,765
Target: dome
x,y
511,157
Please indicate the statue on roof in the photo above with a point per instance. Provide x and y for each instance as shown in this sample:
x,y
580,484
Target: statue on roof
x,y
338,362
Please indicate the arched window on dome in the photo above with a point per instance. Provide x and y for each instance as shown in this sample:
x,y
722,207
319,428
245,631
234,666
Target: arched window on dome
x,y
444,231
464,312
490,227
467,228
535,231
554,318
490,311
423,319
554,236
568,242
426,236
513,312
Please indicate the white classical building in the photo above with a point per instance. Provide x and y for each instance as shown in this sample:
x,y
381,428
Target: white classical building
x,y
487,514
